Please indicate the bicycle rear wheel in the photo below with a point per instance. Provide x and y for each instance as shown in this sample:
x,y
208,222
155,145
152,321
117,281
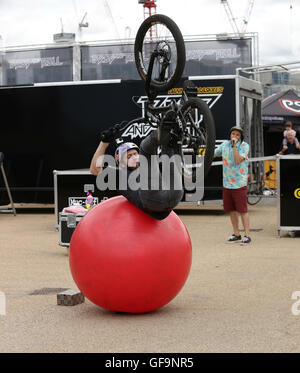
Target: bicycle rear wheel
x,y
253,199
254,192
161,34
199,123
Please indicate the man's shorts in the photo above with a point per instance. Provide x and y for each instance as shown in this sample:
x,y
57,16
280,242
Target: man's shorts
x,y
235,199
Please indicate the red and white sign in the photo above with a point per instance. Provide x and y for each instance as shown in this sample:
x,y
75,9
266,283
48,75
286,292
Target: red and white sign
x,y
290,105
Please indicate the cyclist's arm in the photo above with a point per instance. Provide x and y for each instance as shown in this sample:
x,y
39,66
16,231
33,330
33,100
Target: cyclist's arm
x,y
97,160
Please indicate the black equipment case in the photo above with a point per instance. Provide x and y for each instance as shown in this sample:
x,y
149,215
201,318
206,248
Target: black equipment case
x,y
288,192
70,188
67,225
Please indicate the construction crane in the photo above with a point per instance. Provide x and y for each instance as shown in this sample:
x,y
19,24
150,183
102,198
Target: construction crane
x,y
239,31
84,24
149,7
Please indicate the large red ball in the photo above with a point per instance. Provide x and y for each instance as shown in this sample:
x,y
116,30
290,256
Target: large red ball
x,y
124,260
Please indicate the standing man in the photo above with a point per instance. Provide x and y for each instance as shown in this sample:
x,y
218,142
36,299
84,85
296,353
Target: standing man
x,y
234,153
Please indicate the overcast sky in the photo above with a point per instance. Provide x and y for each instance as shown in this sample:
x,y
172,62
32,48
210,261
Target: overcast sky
x,y
24,22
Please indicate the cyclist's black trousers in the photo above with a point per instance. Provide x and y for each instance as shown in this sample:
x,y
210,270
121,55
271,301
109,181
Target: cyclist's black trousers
x,y
164,188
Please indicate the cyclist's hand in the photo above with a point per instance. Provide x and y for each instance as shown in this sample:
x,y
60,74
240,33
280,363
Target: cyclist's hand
x,y
107,135
110,134
116,130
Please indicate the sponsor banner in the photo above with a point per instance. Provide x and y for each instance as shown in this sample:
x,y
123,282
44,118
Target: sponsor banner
x,y
203,57
217,57
38,66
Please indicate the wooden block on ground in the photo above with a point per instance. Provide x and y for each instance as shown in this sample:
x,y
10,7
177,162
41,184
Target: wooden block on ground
x,y
70,298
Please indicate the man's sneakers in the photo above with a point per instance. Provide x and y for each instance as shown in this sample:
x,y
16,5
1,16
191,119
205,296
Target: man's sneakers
x,y
233,238
245,241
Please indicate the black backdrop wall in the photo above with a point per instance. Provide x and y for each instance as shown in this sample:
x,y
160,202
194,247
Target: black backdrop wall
x,y
56,127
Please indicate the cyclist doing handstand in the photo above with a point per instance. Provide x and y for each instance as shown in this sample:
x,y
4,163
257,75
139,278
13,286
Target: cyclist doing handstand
x,y
159,201
189,122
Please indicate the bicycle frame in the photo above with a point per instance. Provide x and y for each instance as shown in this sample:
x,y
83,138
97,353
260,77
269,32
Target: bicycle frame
x,y
153,116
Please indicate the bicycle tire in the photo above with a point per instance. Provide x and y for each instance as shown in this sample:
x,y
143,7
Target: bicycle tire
x,y
206,127
141,46
256,199
254,196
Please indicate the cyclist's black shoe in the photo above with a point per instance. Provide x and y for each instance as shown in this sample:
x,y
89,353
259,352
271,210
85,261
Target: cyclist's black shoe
x,y
166,128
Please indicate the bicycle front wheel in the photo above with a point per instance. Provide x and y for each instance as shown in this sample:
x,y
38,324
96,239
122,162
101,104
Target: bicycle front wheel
x,y
199,124
159,34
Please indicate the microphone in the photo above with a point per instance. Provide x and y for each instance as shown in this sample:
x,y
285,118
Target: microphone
x,y
232,143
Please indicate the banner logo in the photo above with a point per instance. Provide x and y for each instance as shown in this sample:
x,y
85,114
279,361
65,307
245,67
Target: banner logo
x,y
142,130
290,105
297,193
137,130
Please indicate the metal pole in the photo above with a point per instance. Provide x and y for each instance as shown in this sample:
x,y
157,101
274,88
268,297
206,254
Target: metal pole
x,y
8,190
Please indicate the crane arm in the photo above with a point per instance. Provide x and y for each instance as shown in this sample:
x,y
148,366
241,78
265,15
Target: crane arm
x,y
230,16
247,16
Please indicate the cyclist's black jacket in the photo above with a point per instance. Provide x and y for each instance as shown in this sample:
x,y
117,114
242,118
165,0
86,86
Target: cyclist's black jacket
x,y
133,196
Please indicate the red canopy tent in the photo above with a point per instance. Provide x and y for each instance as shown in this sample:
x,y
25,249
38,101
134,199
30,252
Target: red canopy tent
x,y
280,107
276,110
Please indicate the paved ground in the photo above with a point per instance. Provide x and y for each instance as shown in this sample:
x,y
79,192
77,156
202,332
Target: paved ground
x,y
236,299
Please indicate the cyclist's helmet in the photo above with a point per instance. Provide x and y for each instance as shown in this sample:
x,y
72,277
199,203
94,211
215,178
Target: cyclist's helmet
x,y
235,128
123,149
